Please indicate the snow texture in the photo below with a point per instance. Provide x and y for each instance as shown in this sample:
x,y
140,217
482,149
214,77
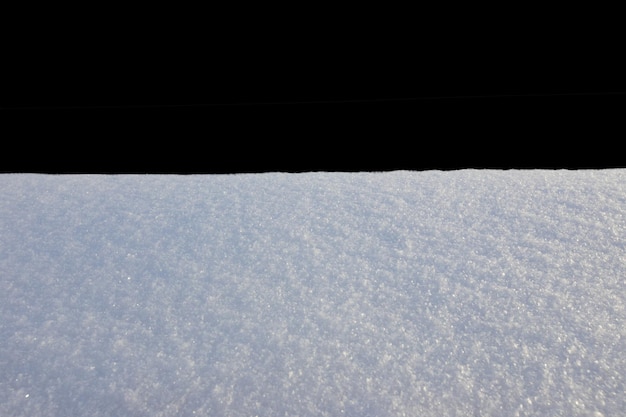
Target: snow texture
x,y
460,293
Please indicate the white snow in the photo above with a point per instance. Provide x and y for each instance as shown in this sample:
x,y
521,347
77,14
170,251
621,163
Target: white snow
x,y
460,293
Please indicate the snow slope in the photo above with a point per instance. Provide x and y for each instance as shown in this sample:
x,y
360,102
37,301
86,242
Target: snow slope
x,y
461,293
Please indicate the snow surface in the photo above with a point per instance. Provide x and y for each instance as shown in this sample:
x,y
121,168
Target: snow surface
x,y
460,293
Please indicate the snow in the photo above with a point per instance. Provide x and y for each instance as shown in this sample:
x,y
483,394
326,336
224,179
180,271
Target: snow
x,y
458,293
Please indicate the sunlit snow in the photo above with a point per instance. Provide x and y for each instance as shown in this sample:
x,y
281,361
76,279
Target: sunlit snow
x,y
459,293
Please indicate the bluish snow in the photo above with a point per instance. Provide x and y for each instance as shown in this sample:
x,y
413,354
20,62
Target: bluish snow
x,y
460,293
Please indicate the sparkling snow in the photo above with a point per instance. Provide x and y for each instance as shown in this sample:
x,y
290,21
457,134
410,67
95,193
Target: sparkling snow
x,y
460,293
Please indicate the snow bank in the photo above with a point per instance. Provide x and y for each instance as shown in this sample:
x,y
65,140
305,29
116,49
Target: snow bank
x,y
318,294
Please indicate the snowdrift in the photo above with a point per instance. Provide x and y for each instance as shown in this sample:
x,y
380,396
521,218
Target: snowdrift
x,y
430,293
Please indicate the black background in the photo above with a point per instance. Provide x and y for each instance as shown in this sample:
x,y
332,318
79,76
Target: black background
x,y
187,91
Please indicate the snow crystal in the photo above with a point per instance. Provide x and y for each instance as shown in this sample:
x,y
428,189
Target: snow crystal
x,y
315,294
